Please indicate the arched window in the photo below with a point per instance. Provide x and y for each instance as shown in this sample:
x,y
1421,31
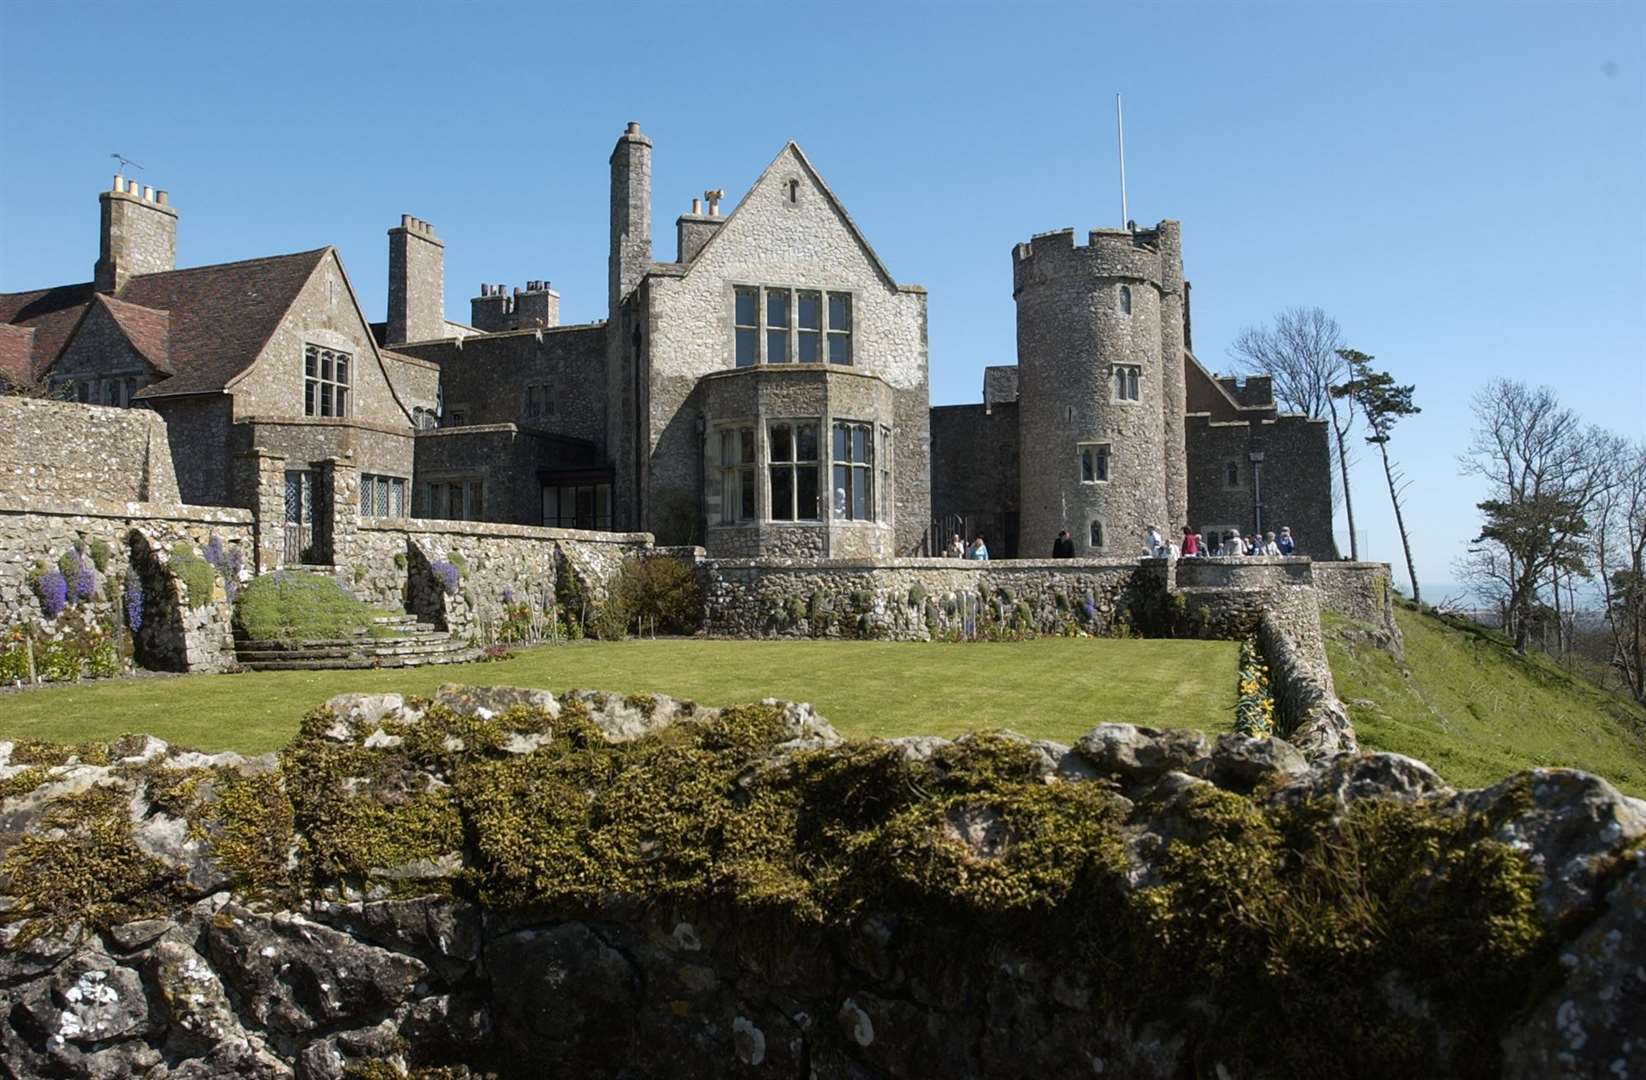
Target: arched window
x,y
1231,475
1097,534
1125,299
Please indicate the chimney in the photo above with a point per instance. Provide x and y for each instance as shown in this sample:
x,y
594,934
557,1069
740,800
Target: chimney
x,y
417,283
631,210
692,230
138,235
491,311
539,305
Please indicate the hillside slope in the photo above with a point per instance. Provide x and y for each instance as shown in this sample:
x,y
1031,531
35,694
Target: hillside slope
x,y
1466,704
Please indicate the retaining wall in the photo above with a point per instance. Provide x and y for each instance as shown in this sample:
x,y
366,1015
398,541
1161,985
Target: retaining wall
x,y
180,632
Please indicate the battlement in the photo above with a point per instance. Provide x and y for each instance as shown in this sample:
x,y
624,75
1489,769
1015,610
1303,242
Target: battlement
x,y
1107,253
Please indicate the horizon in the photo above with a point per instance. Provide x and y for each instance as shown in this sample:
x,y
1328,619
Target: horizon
x,y
1422,207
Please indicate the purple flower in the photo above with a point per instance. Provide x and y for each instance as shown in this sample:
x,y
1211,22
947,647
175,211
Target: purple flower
x,y
508,596
447,573
53,590
1091,609
213,553
134,601
231,573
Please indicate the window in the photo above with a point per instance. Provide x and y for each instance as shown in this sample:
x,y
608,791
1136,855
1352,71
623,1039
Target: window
x,y
794,191
1094,463
810,311
793,455
325,382
800,325
455,500
885,473
539,401
777,326
456,418
425,419
736,474
747,329
1231,474
1097,534
1125,299
382,496
578,506
840,328
1126,379
853,471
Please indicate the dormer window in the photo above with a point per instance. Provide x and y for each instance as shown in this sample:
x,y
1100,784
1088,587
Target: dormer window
x,y
326,374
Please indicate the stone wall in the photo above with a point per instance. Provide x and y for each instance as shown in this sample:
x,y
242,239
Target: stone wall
x,y
917,599
975,475
390,564
1296,479
198,427
1359,590
61,450
180,631
522,883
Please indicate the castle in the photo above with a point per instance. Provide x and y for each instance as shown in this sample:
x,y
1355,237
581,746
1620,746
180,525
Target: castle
x,y
762,394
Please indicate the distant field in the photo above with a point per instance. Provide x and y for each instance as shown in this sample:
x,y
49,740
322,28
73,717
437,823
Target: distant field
x,y
1475,711
1054,688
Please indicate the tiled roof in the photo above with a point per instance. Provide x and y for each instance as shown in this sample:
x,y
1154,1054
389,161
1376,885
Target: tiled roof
x,y
52,314
204,325
146,329
221,316
16,353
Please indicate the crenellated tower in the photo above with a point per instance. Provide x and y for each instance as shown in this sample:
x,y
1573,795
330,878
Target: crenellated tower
x,y
1101,387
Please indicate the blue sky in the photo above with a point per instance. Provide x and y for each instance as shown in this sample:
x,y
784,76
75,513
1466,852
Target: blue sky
x,y
1461,185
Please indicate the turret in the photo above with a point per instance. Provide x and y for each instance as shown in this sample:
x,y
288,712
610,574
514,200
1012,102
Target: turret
x,y
1096,386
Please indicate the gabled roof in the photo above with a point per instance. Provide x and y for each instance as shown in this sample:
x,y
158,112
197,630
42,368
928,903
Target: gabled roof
x,y
203,326
817,178
52,315
146,329
16,353
220,316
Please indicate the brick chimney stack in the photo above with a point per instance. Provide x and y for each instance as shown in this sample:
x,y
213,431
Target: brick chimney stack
x,y
138,235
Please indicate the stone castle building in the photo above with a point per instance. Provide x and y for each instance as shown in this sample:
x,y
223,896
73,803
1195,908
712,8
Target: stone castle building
x,y
763,393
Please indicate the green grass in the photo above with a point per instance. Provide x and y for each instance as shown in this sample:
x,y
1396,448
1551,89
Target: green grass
x,y
1475,711
1055,688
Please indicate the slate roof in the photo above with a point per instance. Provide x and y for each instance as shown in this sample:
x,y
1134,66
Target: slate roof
x,y
203,326
147,329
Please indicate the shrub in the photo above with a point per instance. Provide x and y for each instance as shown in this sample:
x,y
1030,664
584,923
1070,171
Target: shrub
x,y
661,591
1022,615
917,595
816,605
795,609
400,560
100,555
359,574
300,606
195,573
460,562
862,600
14,657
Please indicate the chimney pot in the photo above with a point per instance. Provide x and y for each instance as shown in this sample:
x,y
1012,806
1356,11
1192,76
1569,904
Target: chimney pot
x,y
160,197
405,221
634,127
148,193
131,187
119,182
697,206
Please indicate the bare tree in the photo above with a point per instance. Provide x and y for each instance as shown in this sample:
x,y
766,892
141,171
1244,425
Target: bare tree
x,y
1300,354
1620,559
1544,473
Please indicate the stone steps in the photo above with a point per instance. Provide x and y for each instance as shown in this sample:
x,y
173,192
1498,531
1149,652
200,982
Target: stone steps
x,y
411,644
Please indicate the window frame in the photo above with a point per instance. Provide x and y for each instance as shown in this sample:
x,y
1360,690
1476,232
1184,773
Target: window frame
x,y
1101,452
793,466
1232,474
739,501
831,343
380,493
1095,528
1127,377
1124,299
752,329
859,473
327,396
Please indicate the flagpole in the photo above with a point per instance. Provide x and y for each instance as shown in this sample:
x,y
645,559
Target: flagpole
x,y
1120,135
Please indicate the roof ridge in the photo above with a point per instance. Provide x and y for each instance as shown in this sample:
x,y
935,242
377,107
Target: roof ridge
x,y
315,252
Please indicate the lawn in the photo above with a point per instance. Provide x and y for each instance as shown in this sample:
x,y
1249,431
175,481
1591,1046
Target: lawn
x,y
1475,711
1054,688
